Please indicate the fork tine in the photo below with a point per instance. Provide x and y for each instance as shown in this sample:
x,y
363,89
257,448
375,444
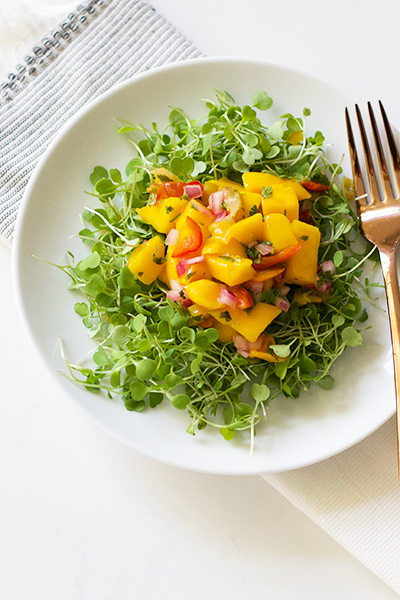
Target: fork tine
x,y
373,186
392,145
387,188
359,188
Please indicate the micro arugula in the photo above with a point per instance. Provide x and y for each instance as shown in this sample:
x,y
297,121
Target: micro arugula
x,y
147,348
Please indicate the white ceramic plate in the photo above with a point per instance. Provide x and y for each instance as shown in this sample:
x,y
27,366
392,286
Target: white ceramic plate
x,y
298,432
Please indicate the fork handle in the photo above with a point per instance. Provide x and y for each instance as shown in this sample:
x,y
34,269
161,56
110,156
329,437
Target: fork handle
x,y
389,268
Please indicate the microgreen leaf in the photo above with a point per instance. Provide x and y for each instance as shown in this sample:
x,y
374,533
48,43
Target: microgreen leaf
x,y
260,392
262,101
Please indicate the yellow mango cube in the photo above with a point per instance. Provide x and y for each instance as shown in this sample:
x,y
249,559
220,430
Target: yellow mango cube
x,y
225,332
230,270
225,182
198,311
220,229
249,324
162,215
277,229
146,260
216,246
283,200
301,268
251,203
255,182
205,293
246,231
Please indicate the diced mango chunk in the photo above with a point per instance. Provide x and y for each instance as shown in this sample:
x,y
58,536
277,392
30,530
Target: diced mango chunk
x,y
277,229
282,200
146,260
225,182
216,246
249,324
251,203
205,293
246,231
198,311
231,270
225,332
301,268
162,215
255,182
220,229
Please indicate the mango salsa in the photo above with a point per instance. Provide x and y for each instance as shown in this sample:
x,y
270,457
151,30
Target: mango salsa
x,y
220,264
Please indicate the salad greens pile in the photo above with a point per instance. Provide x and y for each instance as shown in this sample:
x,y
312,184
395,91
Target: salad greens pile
x,y
148,349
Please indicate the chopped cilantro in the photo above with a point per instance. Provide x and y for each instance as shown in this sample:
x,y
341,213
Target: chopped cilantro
x,y
267,192
226,316
253,210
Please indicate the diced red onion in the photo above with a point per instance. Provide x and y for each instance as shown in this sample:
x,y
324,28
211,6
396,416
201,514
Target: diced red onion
x,y
252,244
264,249
244,347
285,289
182,267
283,304
325,286
172,237
328,266
193,190
221,215
215,202
174,295
193,261
176,286
254,286
226,297
241,345
279,277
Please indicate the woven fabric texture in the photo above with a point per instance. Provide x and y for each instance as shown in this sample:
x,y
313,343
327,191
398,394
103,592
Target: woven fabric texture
x,y
101,44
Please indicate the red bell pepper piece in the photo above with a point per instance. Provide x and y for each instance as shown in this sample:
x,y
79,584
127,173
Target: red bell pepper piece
x,y
190,239
276,259
172,189
313,186
244,298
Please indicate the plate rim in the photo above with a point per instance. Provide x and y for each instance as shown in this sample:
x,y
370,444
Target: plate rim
x,y
17,249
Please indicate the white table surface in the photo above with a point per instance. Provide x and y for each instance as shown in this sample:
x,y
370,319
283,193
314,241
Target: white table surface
x,y
83,517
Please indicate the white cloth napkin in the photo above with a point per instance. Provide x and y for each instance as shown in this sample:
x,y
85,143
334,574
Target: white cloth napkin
x,y
355,496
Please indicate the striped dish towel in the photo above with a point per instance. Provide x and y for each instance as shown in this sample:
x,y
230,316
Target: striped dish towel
x,y
100,44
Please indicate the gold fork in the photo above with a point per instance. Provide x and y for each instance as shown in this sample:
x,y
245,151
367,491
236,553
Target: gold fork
x,y
380,223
